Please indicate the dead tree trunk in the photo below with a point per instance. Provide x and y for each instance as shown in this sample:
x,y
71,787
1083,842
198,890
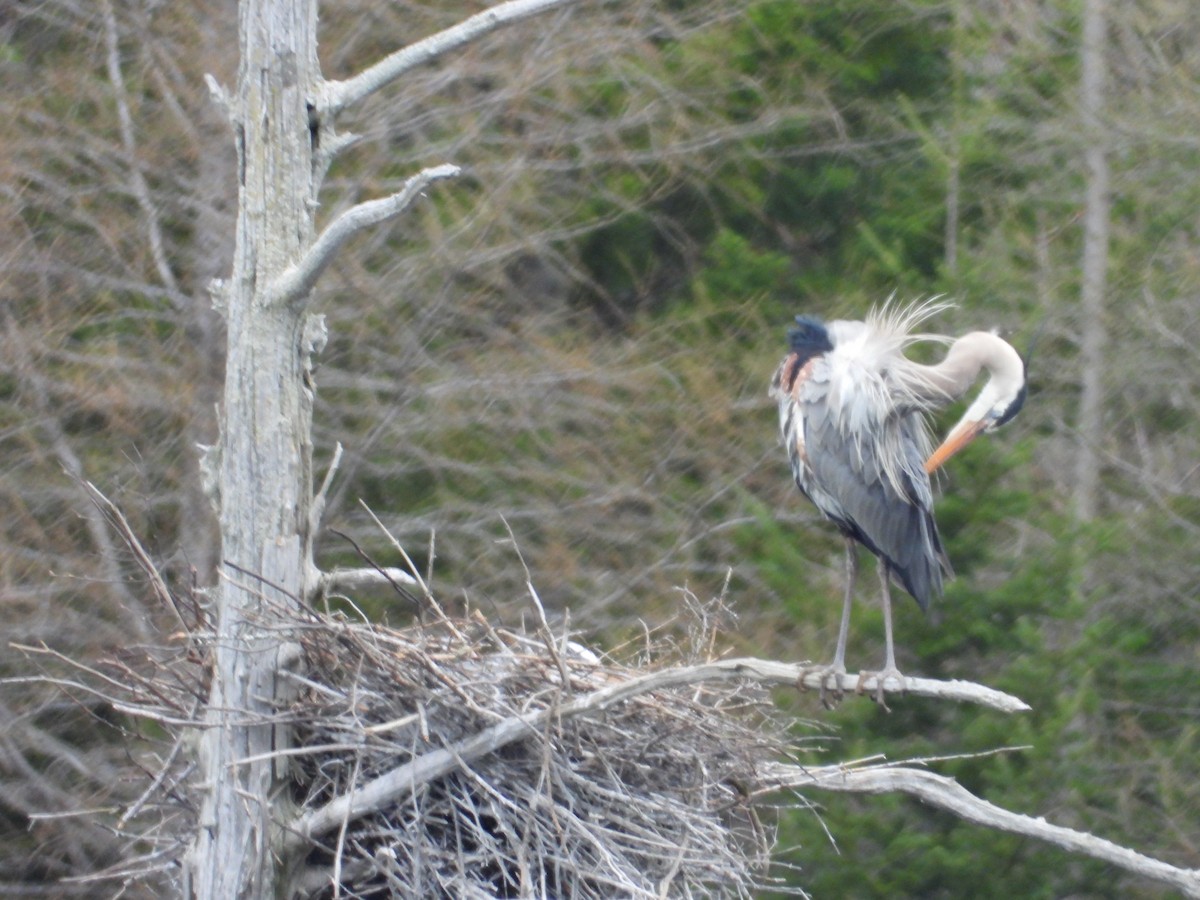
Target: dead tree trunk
x,y
264,459
282,115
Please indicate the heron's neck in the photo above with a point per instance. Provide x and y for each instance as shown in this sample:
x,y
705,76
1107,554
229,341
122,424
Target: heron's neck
x,y
968,356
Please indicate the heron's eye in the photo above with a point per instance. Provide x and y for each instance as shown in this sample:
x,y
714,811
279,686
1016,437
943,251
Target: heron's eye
x,y
1013,408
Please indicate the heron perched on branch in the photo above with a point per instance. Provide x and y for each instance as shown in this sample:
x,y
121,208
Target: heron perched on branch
x,y
851,409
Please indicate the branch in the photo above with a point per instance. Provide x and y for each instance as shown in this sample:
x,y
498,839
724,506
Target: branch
x,y
137,182
121,524
298,279
351,580
805,676
945,793
336,95
958,691
401,781
317,510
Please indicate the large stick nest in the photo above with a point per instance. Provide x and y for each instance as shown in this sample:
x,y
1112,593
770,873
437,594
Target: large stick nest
x,y
648,796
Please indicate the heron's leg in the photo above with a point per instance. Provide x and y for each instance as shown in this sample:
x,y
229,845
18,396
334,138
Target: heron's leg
x,y
839,655
885,586
889,669
838,666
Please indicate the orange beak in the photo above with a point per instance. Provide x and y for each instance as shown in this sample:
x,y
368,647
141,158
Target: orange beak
x,y
961,435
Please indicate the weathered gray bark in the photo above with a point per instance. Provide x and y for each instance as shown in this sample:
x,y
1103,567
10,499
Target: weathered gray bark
x,y
1095,264
265,455
261,470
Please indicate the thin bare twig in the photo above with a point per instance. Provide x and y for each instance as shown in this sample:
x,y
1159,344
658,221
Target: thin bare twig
x,y
118,520
317,510
543,625
357,578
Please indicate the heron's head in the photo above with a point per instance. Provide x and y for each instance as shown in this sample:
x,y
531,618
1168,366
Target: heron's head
x,y
809,337
1001,398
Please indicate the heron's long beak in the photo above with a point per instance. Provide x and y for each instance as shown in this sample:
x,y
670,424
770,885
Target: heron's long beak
x,y
960,435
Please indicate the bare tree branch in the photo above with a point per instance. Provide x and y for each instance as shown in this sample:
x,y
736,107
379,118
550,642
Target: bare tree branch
x,y
945,793
122,526
336,95
322,494
386,788
136,180
297,280
351,580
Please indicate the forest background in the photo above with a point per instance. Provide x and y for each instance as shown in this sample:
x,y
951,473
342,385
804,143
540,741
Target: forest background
x,y
574,340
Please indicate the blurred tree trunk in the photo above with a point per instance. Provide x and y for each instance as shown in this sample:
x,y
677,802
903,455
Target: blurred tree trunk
x,y
264,458
1095,263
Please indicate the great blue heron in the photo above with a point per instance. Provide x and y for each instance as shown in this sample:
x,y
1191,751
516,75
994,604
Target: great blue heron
x,y
851,409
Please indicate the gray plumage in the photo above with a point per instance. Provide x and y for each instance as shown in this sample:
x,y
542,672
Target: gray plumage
x,y
852,414
857,442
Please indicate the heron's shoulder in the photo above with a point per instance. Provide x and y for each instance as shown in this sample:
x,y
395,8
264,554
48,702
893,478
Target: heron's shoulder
x,y
796,374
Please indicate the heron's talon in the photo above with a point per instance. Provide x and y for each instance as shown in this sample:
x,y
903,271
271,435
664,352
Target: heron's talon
x,y
858,685
881,679
827,674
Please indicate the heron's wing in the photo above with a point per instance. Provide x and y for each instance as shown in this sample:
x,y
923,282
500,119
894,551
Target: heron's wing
x,y
845,475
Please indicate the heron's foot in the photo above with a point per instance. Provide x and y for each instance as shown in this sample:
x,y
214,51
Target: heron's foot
x,y
829,675
888,673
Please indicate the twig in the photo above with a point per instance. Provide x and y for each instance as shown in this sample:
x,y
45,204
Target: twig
x,y
543,625
427,594
340,850
412,568
164,770
317,510
352,578
118,520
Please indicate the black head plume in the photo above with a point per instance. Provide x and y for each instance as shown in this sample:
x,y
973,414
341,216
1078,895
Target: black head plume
x,y
809,336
